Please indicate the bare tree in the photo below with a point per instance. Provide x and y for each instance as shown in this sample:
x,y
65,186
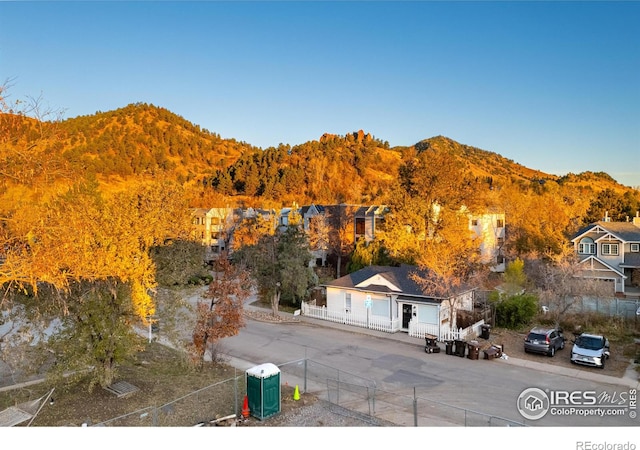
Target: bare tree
x,y
341,236
28,135
560,285
319,235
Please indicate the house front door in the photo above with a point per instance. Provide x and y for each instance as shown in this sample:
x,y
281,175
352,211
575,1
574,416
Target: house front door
x,y
406,315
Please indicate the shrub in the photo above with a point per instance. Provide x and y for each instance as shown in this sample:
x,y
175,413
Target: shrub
x,y
516,311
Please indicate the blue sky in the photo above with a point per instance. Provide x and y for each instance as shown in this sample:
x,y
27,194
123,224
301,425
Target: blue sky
x,y
554,86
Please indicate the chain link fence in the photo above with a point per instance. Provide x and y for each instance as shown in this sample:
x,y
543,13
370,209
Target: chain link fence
x,y
218,400
361,395
357,395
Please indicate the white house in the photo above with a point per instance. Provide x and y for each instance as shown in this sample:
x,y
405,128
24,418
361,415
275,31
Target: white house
x,y
389,299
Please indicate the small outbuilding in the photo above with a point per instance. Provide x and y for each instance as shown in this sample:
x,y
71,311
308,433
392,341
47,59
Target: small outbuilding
x,y
263,390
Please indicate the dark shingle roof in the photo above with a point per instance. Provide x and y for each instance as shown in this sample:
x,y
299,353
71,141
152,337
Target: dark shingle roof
x,y
398,276
626,231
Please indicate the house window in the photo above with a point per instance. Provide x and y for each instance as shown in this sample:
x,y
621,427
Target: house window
x,y
474,222
360,226
635,248
500,223
347,301
500,242
500,259
215,221
610,249
428,314
586,247
380,307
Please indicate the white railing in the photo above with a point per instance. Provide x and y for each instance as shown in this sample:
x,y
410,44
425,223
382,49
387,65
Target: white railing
x,y
419,330
358,320
379,323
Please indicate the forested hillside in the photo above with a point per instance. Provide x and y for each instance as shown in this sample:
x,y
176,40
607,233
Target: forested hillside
x,y
94,211
145,142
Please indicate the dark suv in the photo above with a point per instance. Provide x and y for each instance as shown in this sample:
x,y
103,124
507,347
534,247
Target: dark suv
x,y
544,340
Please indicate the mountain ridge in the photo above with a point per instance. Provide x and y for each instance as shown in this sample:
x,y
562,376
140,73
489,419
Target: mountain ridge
x,y
144,140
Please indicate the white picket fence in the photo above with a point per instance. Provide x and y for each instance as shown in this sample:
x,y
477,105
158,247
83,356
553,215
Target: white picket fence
x,y
379,323
358,320
419,330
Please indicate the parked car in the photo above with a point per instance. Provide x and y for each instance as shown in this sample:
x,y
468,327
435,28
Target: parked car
x,y
590,350
544,340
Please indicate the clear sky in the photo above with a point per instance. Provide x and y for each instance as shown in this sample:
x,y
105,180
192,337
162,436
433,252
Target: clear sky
x,y
554,86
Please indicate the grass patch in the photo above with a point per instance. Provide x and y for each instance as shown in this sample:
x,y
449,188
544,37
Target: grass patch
x,y
166,381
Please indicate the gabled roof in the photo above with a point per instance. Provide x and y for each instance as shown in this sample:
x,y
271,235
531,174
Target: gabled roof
x,y
598,264
625,231
373,210
398,277
307,208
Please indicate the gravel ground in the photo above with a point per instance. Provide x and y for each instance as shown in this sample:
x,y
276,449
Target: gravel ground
x,y
319,413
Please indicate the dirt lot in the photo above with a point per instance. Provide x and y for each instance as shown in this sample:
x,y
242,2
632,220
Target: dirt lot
x,y
513,342
162,377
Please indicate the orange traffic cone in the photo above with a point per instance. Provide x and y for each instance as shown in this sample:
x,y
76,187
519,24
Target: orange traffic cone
x,y
296,394
245,407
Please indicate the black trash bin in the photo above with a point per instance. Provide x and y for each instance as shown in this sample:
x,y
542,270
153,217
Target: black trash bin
x,y
448,347
460,348
485,331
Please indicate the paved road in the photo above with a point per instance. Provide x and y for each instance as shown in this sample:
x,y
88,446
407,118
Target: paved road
x,y
397,363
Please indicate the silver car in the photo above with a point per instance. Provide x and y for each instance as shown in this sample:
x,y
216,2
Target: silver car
x,y
590,350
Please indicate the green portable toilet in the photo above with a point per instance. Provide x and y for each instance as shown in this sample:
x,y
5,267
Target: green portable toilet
x,y
263,390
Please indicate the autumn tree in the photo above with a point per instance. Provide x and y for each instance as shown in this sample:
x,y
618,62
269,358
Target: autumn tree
x,y
618,207
341,232
97,331
451,260
251,230
85,241
318,234
368,254
177,260
539,220
29,136
221,315
279,263
432,186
